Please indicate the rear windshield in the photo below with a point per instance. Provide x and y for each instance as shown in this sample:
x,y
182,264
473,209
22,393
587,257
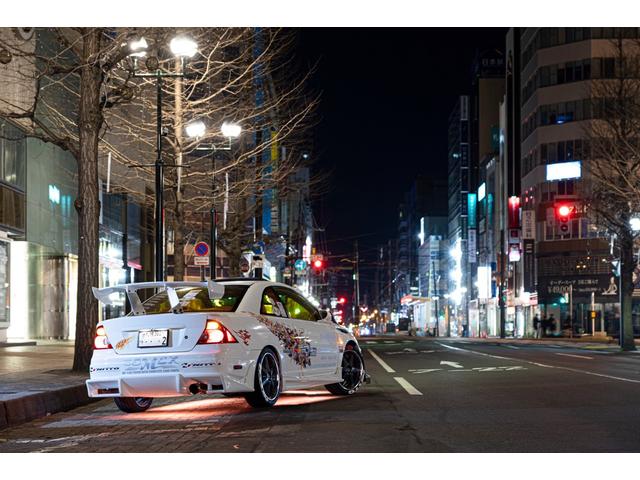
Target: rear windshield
x,y
196,299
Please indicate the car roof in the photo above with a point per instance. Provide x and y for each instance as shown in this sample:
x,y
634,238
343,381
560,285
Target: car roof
x,y
251,281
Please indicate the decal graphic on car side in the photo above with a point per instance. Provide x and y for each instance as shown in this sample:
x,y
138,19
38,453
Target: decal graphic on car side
x,y
294,342
123,343
244,335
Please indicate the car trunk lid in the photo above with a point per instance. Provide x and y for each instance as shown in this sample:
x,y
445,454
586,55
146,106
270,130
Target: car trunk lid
x,y
161,333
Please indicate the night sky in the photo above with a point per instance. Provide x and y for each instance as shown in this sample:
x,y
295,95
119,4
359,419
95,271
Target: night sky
x,y
386,97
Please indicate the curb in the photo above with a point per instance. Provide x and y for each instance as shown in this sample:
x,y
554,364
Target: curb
x,y
38,405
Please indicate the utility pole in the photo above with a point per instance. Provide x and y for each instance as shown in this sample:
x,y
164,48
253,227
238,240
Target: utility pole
x,y
357,273
259,203
213,223
159,185
501,302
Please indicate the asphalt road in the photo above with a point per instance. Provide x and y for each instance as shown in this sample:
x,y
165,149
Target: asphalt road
x,y
426,396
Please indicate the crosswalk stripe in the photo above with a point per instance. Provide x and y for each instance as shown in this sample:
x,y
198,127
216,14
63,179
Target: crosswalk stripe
x,y
411,390
382,363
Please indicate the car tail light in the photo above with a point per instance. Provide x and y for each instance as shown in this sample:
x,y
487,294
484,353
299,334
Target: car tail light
x,y
215,332
101,342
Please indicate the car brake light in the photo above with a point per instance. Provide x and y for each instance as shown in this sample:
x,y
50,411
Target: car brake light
x,y
215,332
101,342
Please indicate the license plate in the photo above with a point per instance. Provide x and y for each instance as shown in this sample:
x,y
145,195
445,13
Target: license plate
x,y
153,338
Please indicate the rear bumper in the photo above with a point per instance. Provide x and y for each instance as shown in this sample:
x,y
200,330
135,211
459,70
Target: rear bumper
x,y
167,375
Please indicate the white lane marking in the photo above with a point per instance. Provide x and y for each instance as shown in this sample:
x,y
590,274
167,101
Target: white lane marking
x,y
512,346
451,364
473,351
622,379
474,369
452,348
382,363
574,356
370,341
411,390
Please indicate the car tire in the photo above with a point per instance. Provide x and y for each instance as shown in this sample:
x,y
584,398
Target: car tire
x,y
267,382
133,404
352,373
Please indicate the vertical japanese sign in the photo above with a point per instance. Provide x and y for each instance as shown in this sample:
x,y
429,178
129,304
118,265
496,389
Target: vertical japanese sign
x,y
472,246
472,204
528,224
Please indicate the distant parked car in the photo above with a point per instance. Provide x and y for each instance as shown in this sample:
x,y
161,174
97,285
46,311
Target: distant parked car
x,y
242,336
403,324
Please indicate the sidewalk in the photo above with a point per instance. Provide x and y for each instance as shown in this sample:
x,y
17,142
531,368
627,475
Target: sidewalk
x,y
36,381
586,342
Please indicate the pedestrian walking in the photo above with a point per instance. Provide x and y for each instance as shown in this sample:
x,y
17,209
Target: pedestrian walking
x,y
537,328
552,324
544,326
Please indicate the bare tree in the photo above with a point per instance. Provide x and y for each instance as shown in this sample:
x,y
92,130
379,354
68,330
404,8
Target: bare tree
x,y
76,88
614,164
62,85
244,76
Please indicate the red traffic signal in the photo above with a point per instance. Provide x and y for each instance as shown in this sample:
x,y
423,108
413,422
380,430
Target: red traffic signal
x,y
564,211
342,300
318,264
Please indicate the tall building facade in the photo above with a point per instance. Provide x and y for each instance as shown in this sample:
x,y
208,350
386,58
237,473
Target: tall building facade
x,y
458,188
572,274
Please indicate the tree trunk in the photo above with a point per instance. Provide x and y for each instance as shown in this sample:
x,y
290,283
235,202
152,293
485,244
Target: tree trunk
x,y
178,224
626,272
178,242
87,203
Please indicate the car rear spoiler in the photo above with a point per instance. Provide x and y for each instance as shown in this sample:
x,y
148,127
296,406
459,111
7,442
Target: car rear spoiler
x,y
103,295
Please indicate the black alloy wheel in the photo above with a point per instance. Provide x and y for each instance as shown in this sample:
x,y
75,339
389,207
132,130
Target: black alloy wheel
x,y
267,381
133,404
352,374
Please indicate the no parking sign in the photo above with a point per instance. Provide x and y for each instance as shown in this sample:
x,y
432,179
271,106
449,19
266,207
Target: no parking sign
x,y
201,251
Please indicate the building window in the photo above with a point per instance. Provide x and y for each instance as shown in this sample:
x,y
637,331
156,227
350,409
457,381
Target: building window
x,y
13,155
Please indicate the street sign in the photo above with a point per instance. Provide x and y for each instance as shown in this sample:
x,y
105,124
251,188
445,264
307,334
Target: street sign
x,y
201,250
300,265
258,261
201,261
244,265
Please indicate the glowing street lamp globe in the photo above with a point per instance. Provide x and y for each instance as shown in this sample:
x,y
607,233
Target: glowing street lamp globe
x,y
183,47
231,130
196,129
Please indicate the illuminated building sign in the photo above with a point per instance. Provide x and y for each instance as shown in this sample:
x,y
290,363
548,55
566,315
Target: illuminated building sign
x,y
564,170
471,210
482,191
54,194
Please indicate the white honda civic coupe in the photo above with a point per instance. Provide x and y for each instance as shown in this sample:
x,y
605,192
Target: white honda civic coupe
x,y
234,336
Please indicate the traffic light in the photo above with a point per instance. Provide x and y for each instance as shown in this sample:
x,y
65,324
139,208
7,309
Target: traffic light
x,y
342,300
514,212
318,265
564,213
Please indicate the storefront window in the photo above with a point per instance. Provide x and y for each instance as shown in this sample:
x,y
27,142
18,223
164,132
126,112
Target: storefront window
x,y
12,155
4,283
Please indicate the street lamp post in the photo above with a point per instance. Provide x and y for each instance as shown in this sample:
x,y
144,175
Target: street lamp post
x,y
182,48
229,130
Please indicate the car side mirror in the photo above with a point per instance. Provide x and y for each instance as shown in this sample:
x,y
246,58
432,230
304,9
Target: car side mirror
x,y
326,316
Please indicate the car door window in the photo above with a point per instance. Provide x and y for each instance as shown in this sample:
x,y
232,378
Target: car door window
x,y
297,307
271,304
